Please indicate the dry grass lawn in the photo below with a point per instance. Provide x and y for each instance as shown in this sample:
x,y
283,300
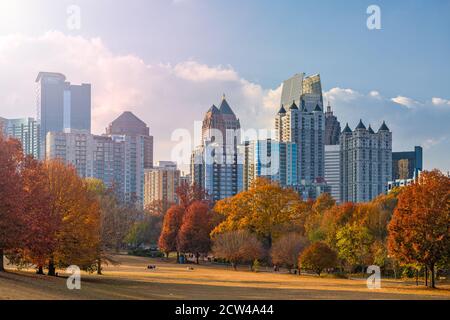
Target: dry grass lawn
x,y
132,280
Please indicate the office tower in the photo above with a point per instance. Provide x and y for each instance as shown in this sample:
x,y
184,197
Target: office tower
x,y
304,125
366,162
61,105
300,87
270,159
407,165
133,136
130,125
161,184
74,148
333,170
26,130
332,128
216,165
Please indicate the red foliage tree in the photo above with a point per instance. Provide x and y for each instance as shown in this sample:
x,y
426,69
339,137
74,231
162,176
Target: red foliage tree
x,y
194,235
419,231
171,226
11,219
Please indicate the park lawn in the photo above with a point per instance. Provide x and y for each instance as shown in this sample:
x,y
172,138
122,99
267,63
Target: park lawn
x,y
132,280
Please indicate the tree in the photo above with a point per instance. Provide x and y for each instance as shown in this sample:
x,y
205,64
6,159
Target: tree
x,y
194,235
353,244
237,247
11,219
189,193
286,249
78,211
419,231
266,210
171,226
317,257
42,222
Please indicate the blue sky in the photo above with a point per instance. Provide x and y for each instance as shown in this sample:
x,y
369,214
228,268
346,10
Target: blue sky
x,y
261,43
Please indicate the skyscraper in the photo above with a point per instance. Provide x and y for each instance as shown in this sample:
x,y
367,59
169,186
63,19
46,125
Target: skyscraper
x,y
304,125
366,162
333,170
407,164
133,136
332,127
26,130
216,165
130,125
270,159
61,105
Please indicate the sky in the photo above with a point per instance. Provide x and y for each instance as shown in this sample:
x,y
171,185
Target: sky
x,y
168,61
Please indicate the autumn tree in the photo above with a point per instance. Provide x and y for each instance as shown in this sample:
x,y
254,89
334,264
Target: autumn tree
x,y
170,229
11,219
314,220
188,193
194,234
237,247
266,210
318,257
79,215
42,221
286,249
419,231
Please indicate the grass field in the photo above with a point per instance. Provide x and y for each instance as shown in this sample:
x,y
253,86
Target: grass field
x,y
132,280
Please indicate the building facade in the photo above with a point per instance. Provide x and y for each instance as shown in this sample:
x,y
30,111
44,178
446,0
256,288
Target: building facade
x,y
333,170
61,106
332,128
407,165
26,130
161,184
270,159
304,125
217,164
366,162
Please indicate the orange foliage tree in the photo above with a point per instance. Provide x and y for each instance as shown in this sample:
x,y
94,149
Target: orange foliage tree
x,y
419,231
318,257
171,226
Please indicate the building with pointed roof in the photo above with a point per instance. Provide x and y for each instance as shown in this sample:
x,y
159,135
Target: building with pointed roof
x,y
366,162
215,164
332,127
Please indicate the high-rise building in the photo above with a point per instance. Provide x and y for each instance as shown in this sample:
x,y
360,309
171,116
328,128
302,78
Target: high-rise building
x,y
332,128
304,125
161,183
61,105
333,170
26,130
133,136
408,164
270,159
366,162
216,165
130,125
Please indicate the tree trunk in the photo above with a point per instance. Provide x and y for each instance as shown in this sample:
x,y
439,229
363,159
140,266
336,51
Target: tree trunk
x,y
40,270
178,257
433,284
2,267
196,258
51,268
234,266
417,276
99,266
426,276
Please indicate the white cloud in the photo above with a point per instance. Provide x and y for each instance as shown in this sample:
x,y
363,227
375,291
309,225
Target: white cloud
x,y
375,94
440,102
405,101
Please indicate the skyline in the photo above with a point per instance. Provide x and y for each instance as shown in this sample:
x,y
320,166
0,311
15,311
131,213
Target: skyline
x,y
145,74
